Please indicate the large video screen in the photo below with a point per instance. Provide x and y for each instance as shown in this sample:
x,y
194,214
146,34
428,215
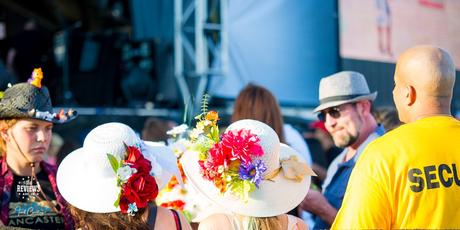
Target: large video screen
x,y
379,30
285,46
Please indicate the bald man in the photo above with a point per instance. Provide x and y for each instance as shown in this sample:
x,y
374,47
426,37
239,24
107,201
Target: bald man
x,y
410,177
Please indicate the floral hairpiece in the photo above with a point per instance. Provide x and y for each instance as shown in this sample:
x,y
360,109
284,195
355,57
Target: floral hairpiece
x,y
228,162
135,179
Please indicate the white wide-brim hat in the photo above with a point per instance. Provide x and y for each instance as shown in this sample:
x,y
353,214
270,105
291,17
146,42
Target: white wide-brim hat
x,y
273,197
341,88
86,179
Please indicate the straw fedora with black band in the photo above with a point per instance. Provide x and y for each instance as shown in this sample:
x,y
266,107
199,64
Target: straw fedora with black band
x,y
341,88
32,100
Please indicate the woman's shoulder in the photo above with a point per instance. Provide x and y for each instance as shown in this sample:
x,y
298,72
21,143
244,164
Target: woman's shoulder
x,y
217,221
166,219
296,223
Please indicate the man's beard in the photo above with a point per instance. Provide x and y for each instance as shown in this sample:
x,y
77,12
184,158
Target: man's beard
x,y
347,141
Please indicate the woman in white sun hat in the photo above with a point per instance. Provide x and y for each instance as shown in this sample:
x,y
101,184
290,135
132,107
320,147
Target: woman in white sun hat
x,y
249,173
113,180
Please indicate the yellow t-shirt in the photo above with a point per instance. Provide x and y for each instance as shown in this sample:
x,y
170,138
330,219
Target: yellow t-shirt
x,y
408,178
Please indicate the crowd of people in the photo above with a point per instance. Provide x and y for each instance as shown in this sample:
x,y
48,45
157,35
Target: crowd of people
x,y
381,168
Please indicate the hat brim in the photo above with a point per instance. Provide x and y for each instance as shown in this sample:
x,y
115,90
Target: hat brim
x,y
94,191
273,197
326,105
7,112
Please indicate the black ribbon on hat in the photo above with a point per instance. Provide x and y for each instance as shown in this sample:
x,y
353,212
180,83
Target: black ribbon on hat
x,y
340,98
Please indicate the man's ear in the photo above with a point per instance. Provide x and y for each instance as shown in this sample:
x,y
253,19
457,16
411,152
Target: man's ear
x,y
411,95
363,107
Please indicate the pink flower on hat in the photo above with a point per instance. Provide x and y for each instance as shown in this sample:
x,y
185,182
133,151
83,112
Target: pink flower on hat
x,y
229,163
242,145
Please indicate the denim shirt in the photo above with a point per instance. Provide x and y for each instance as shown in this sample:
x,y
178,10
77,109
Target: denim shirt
x,y
336,185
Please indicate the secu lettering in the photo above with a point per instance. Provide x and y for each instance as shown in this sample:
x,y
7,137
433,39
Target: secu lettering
x,y
432,177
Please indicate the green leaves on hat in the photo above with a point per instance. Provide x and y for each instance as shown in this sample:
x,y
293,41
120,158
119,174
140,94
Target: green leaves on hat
x,y
113,162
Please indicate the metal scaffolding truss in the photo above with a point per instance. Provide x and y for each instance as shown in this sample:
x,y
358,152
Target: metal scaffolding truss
x,y
200,38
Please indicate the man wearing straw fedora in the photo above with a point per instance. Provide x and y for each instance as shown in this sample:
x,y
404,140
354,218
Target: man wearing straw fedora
x,y
345,108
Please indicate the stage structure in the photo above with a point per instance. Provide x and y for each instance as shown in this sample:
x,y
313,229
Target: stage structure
x,y
200,37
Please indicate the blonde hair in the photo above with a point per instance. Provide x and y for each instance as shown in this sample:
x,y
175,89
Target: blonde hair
x,y
264,223
5,124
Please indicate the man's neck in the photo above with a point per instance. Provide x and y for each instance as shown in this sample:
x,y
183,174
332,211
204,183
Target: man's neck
x,y
432,115
21,168
353,149
351,152
432,108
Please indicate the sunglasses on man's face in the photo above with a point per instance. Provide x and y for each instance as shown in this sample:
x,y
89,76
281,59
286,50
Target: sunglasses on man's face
x,y
334,112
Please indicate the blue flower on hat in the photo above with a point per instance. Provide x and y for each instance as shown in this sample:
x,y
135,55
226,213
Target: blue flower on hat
x,y
252,172
132,209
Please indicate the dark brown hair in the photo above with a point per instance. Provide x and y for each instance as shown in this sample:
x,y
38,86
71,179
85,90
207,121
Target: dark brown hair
x,y
155,129
388,117
114,220
5,124
258,103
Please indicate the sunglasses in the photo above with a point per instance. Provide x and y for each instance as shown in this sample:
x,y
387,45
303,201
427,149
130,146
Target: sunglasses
x,y
334,112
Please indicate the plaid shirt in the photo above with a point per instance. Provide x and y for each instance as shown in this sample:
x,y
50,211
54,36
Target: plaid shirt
x,y
6,182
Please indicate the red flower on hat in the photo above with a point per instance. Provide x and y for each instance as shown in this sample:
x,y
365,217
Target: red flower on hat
x,y
216,159
175,204
137,160
124,204
138,187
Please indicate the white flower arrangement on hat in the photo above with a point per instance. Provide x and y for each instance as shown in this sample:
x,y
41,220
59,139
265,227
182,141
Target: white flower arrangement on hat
x,y
174,195
182,196
185,139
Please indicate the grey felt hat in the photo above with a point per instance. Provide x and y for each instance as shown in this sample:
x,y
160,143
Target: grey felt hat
x,y
31,100
341,88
